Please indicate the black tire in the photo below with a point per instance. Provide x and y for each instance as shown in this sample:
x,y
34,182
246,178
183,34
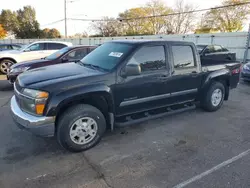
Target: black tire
x,y
66,122
206,103
4,64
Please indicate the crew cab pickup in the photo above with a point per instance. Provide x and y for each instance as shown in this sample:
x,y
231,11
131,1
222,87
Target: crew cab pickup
x,y
118,84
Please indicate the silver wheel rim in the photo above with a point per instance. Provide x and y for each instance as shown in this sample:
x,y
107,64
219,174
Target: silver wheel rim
x,y
83,130
216,97
5,65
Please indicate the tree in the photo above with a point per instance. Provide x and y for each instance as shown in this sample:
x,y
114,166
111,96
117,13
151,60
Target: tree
x,y
108,27
79,35
230,19
3,32
183,22
157,24
50,33
154,18
9,20
28,26
132,25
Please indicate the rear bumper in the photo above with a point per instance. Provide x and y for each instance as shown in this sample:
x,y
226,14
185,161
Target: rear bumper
x,y
38,125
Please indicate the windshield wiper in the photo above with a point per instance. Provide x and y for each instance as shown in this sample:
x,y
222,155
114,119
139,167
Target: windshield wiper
x,y
91,65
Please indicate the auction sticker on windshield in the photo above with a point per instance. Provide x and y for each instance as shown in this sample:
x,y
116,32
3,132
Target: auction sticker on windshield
x,y
115,54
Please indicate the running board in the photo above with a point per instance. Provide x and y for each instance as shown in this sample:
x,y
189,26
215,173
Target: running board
x,y
149,117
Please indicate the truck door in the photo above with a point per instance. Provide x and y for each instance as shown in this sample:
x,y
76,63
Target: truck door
x,y
145,91
186,77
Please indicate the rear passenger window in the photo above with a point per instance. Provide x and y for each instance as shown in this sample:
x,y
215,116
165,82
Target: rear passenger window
x,y
183,56
55,46
150,58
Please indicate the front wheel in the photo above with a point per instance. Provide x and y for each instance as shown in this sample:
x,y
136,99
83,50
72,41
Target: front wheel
x,y
5,65
214,97
80,128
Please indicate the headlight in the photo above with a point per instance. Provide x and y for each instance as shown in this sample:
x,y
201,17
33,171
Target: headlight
x,y
35,101
21,69
246,67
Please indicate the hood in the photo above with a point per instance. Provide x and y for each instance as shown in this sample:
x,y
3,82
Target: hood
x,y
52,72
29,63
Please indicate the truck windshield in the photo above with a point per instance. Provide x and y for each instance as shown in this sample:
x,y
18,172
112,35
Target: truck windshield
x,y
57,53
106,56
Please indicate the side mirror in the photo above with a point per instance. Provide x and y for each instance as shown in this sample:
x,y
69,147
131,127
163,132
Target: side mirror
x,y
132,70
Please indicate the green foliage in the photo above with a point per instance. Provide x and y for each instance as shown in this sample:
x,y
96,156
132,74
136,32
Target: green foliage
x,y
230,19
50,33
22,23
131,21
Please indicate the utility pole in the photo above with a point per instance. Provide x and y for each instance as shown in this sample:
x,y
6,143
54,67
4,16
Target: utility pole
x,y
65,17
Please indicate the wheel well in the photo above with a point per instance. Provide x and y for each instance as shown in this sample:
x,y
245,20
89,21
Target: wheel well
x,y
8,58
98,101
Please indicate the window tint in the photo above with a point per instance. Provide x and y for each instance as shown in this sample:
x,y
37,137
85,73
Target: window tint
x,y
218,49
57,53
77,54
55,46
183,56
37,47
149,58
4,47
210,49
16,47
224,49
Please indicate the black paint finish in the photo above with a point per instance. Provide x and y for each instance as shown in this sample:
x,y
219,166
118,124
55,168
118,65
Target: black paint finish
x,y
68,83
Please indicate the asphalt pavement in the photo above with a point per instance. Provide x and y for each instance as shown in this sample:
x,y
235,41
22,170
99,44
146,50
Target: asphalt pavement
x,y
194,149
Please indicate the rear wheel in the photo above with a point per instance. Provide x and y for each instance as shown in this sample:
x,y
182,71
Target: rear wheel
x,y
80,128
214,97
5,65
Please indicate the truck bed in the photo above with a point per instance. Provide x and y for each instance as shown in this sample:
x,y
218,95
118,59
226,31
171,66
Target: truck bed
x,y
233,67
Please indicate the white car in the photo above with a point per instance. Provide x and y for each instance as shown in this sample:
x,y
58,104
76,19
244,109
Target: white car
x,y
35,50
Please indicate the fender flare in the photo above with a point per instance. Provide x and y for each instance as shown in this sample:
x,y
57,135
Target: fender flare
x,y
58,101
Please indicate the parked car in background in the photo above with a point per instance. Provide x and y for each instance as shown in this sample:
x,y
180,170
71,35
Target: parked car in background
x,y
35,50
67,54
119,83
215,55
4,47
245,74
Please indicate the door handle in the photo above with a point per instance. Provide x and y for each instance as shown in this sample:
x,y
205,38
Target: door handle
x,y
194,74
163,77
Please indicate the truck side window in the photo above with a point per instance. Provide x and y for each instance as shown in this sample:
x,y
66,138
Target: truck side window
x,y
183,56
150,58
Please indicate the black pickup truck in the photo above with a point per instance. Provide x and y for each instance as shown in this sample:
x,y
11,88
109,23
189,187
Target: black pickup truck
x,y
119,83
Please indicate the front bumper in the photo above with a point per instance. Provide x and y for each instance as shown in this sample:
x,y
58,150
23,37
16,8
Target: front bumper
x,y
38,125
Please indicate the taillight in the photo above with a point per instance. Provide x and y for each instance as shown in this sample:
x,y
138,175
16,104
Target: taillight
x,y
236,71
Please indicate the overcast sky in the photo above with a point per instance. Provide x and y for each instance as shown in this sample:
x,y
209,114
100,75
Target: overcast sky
x,y
53,10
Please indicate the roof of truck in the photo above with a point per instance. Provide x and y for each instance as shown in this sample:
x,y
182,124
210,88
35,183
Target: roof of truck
x,y
142,41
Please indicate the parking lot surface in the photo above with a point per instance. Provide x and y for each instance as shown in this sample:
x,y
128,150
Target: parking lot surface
x,y
193,149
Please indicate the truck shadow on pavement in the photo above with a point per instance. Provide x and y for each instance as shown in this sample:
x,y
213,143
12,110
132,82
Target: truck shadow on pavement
x,y
5,86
